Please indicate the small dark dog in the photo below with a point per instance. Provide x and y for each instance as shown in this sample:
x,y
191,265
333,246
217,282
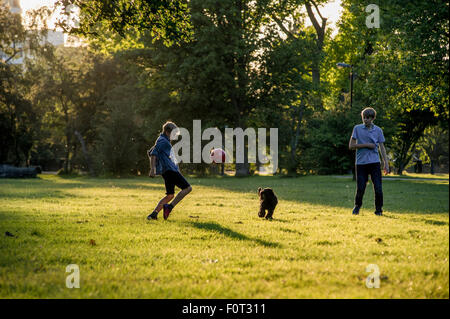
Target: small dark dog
x,y
268,201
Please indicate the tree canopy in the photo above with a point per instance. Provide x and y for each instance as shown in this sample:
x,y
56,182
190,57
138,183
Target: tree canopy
x,y
161,19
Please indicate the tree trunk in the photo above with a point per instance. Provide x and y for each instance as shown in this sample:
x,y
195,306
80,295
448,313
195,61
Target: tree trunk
x,y
67,166
16,152
294,140
66,120
320,33
12,118
243,169
66,160
85,153
400,169
214,169
403,158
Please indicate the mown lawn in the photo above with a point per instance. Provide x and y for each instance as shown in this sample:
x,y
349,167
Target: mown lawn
x,y
214,245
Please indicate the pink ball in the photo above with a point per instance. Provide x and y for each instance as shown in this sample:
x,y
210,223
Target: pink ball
x,y
217,155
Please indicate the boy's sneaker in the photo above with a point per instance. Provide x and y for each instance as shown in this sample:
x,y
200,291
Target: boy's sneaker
x,y
167,209
153,215
378,213
356,210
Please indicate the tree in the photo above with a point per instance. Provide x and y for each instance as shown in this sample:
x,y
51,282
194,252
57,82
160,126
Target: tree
x,y
288,12
402,67
17,39
326,141
434,144
119,144
210,77
418,91
17,118
19,121
57,77
165,20
320,38
285,89
116,145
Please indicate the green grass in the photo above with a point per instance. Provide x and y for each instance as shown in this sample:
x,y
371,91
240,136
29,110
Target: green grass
x,y
214,245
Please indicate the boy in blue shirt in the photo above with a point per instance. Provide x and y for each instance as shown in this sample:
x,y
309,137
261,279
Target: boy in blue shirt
x,y
163,162
365,139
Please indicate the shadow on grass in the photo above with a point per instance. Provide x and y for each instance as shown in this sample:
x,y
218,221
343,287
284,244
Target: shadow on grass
x,y
435,222
214,227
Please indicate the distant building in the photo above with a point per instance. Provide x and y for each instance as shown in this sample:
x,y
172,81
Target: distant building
x,y
14,5
56,38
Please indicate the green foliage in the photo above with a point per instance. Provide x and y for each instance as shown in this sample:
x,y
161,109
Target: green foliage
x,y
77,90
18,40
326,150
17,117
285,90
56,77
165,20
400,67
116,147
434,147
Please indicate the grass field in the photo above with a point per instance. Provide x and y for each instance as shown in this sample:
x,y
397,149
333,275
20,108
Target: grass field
x,y
214,245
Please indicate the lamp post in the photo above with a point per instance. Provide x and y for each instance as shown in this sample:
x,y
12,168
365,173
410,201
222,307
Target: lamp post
x,y
345,65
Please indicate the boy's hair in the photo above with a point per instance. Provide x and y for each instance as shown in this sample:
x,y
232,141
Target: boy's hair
x,y
168,127
368,112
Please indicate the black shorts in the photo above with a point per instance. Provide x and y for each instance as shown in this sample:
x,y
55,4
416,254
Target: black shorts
x,y
172,178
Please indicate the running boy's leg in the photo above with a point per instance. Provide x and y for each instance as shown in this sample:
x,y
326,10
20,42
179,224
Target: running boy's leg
x,y
170,191
181,195
179,180
163,201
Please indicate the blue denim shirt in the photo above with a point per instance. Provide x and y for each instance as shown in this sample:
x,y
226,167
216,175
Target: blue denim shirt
x,y
364,135
165,156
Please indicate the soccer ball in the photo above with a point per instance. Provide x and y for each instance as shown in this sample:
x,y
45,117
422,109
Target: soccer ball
x,y
217,155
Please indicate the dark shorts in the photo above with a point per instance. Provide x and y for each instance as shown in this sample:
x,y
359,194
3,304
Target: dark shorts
x,y
172,179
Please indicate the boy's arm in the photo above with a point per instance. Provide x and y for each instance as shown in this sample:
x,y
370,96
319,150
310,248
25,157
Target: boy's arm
x,y
152,166
385,158
352,145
